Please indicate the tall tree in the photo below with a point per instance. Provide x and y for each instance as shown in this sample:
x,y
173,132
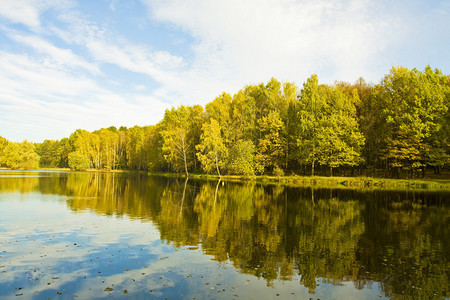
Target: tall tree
x,y
270,150
329,130
11,155
21,156
212,152
3,143
109,144
135,148
220,109
311,106
340,141
241,160
50,153
414,107
176,146
288,114
153,145
243,116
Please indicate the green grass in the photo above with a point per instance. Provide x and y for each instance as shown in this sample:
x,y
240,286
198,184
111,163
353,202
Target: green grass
x,y
361,183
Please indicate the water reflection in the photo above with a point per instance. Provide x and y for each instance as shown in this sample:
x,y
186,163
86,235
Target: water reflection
x,y
395,243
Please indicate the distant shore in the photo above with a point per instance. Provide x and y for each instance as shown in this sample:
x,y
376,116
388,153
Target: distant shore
x,y
361,183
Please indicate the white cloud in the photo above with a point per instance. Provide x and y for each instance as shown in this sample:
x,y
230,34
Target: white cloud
x,y
250,41
109,47
28,12
41,101
59,77
39,77
19,11
58,56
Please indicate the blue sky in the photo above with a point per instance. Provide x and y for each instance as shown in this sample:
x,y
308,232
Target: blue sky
x,y
68,64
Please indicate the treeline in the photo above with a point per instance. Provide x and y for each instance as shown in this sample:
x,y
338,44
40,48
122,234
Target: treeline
x,y
400,127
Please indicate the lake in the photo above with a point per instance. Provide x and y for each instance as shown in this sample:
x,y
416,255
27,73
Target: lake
x,y
66,235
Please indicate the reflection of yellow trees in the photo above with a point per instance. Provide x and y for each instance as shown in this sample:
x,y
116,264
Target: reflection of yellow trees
x,y
18,182
274,232
176,221
328,241
257,240
113,194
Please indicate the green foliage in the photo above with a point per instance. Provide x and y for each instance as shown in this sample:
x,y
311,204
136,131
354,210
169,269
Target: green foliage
x,y
220,109
78,161
20,156
329,133
277,171
153,144
135,148
270,150
400,125
242,159
50,153
212,152
415,111
11,156
181,129
109,143
3,143
30,159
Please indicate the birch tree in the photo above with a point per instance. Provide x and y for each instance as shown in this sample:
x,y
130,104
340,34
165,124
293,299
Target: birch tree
x,y
212,152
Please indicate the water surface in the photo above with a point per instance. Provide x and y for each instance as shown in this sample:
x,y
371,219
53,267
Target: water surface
x,y
94,235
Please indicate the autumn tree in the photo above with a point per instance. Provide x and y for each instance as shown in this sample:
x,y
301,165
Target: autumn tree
x,y
109,144
242,159
11,155
329,130
81,142
50,153
21,156
270,149
212,152
136,155
310,109
78,161
414,109
3,143
153,144
221,109
176,146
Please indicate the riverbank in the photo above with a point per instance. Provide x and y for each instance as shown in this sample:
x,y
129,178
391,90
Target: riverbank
x,y
362,183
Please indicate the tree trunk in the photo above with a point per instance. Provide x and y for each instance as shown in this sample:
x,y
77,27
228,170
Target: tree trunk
x,y
217,164
185,163
184,155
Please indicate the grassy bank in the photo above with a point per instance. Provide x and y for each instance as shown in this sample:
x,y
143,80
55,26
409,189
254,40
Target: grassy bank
x,y
361,183
364,183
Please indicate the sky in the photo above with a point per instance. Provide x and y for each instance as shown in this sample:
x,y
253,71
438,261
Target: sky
x,y
67,65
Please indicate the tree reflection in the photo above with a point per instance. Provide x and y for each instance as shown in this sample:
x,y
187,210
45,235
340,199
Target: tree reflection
x,y
15,182
278,233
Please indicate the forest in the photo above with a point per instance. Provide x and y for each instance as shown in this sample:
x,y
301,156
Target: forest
x,y
399,127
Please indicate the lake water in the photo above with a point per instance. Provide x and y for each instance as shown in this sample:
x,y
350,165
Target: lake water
x,y
93,235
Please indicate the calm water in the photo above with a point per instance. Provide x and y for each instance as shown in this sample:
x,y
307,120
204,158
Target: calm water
x,y
66,235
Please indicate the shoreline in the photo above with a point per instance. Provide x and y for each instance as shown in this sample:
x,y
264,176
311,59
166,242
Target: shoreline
x,y
357,183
